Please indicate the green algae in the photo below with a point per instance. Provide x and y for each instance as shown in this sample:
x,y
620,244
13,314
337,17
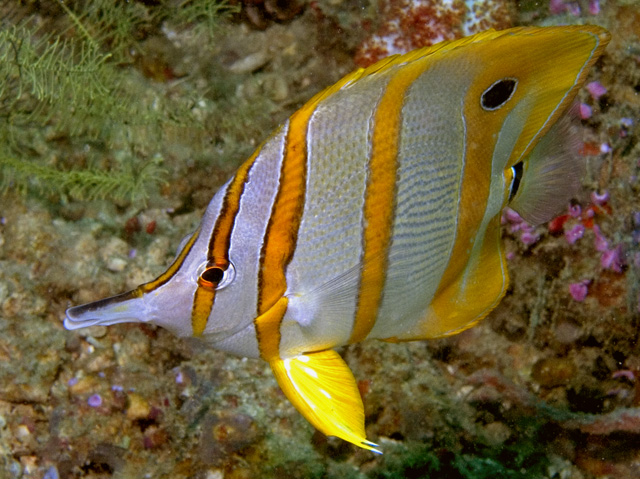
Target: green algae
x,y
64,89
406,461
521,460
88,183
78,120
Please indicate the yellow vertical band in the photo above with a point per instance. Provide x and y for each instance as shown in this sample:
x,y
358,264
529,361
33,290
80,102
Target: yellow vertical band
x,y
268,329
168,274
380,199
201,310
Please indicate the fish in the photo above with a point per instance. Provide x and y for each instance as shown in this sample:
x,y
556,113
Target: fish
x,y
374,212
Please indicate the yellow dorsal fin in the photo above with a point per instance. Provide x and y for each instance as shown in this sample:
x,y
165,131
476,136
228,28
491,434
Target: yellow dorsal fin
x,y
322,388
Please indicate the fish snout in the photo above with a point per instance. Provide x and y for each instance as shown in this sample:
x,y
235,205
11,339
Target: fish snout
x,y
127,307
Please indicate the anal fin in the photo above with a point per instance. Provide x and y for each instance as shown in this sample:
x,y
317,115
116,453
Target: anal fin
x,y
322,388
468,299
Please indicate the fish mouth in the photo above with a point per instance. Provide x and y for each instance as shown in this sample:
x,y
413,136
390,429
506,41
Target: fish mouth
x,y
127,307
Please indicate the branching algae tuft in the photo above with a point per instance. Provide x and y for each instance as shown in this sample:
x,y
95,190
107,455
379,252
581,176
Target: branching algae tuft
x,y
68,99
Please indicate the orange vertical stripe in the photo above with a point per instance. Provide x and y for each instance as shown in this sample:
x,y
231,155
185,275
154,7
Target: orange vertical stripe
x,y
380,199
219,244
281,235
220,241
282,230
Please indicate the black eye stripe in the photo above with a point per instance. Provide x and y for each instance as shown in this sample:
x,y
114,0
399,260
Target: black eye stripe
x,y
498,94
515,182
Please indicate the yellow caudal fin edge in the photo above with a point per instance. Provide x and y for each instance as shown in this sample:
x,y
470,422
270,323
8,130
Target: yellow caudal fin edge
x,y
322,388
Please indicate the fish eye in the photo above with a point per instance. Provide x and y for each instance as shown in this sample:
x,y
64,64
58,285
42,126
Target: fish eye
x,y
212,275
498,94
216,276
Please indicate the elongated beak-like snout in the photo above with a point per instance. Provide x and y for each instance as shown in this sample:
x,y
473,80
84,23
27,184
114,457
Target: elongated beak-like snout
x,y
127,307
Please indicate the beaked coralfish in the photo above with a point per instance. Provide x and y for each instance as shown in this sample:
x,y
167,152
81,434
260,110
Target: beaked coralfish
x,y
374,212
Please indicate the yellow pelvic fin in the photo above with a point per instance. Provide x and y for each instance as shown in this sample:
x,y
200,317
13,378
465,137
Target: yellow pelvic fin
x,y
322,388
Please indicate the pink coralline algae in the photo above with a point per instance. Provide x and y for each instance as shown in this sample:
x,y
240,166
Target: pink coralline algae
x,y
585,111
575,211
557,7
596,90
574,234
512,217
528,234
601,243
528,237
613,259
409,24
579,290
574,225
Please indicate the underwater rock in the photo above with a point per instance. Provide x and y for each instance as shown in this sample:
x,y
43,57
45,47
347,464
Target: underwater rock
x,y
552,372
225,434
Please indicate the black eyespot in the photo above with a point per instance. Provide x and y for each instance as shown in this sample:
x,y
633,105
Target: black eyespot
x,y
212,276
498,94
515,182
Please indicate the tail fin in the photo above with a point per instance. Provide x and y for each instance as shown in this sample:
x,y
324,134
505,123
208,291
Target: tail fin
x,y
551,174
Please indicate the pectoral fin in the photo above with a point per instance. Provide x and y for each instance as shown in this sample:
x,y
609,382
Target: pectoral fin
x,y
322,388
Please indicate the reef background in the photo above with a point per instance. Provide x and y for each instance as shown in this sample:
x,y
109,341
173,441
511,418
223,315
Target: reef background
x,y
118,122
